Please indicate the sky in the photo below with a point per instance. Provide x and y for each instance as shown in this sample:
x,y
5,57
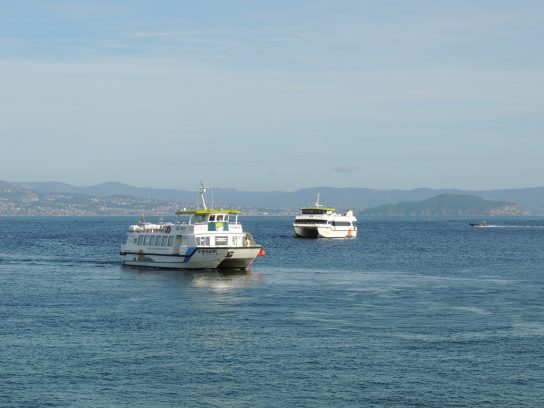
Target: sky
x,y
273,95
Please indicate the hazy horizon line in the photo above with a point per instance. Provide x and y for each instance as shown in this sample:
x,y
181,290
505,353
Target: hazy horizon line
x,y
300,188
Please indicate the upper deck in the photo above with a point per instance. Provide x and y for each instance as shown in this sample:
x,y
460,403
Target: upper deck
x,y
317,210
222,216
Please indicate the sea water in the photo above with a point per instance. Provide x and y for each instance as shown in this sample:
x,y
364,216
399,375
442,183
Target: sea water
x,y
413,312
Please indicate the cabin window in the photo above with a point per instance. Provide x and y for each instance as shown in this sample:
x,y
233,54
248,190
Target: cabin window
x,y
146,240
164,240
135,240
221,241
212,217
200,218
140,239
151,240
220,217
226,218
170,241
203,241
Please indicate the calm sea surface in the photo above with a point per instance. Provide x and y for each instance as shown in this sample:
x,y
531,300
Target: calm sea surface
x,y
410,313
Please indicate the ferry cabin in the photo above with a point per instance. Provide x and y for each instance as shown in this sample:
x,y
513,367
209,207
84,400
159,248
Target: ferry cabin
x,y
205,228
217,227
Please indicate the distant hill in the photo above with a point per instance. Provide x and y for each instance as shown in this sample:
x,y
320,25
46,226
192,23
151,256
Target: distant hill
x,y
273,202
447,205
18,200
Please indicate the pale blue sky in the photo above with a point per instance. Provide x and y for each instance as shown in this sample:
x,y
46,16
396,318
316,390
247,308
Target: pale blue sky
x,y
273,95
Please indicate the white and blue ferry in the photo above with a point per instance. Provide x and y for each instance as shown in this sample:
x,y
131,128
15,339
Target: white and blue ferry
x,y
209,239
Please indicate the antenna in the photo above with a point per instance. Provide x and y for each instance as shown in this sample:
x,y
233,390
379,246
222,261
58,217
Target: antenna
x,y
317,201
202,192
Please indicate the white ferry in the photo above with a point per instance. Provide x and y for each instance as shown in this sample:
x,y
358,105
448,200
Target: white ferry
x,y
211,238
323,222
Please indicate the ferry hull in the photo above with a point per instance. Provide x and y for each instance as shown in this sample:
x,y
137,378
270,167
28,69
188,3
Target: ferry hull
x,y
306,232
239,257
200,258
324,232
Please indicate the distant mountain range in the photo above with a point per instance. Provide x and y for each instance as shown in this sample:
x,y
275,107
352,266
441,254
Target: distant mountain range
x,y
41,198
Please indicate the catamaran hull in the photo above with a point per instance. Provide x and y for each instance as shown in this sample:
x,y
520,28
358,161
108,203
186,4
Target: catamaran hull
x,y
200,258
306,232
239,257
324,232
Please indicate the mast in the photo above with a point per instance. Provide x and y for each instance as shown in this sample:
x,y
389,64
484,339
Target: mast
x,y
317,201
202,192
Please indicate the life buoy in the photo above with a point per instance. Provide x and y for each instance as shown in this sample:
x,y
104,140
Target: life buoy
x,y
167,229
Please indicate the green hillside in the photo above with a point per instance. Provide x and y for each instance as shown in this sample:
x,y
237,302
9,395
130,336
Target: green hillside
x,y
446,205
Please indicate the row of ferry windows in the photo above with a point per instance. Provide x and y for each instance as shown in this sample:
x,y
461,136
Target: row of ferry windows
x,y
165,240
333,223
314,211
219,241
212,218
155,240
344,224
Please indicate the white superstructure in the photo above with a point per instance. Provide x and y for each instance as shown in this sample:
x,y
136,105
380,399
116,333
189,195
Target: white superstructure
x,y
210,238
323,222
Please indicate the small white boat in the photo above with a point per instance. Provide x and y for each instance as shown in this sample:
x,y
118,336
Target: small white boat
x,y
323,222
209,239
480,224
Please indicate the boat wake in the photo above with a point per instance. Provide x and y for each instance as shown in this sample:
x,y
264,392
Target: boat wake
x,y
45,260
512,226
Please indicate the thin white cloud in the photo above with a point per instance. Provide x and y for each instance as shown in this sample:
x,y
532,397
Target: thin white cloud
x,y
345,169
